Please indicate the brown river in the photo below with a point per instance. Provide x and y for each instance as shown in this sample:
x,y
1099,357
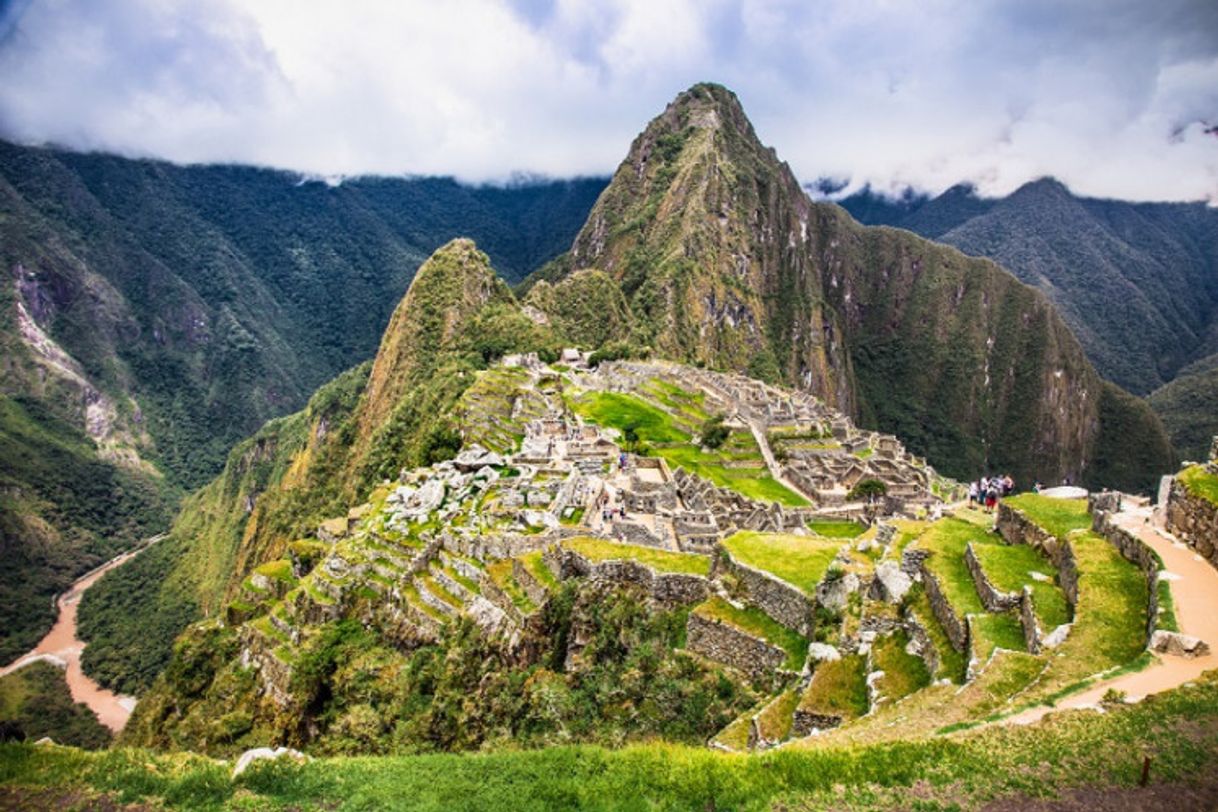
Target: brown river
x,y
62,647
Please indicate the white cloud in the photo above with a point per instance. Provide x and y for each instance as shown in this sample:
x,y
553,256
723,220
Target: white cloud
x,y
1108,96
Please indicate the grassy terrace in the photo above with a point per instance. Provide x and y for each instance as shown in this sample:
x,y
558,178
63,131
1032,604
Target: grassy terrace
x,y
1009,568
659,430
799,560
838,688
969,770
538,569
1200,482
996,631
775,720
1110,620
946,539
500,573
951,662
837,530
414,599
904,673
595,549
758,623
1058,516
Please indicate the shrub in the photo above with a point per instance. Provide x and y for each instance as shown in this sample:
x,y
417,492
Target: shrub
x,y
714,432
868,489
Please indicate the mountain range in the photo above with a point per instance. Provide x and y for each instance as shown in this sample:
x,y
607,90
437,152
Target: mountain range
x,y
1136,282
703,249
152,316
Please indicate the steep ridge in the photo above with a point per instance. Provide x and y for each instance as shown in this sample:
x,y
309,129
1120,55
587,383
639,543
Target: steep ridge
x,y
153,316
368,423
1136,282
726,262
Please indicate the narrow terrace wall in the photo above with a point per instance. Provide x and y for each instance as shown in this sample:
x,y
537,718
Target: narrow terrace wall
x,y
782,601
1193,520
729,645
1016,528
953,625
993,599
1138,553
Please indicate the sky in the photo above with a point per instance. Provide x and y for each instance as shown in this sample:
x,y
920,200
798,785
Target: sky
x,y
1116,98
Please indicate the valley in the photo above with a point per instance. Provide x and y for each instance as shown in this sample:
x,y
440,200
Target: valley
x,y
682,514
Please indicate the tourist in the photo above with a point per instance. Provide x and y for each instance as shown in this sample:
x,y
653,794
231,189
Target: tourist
x,y
1008,485
1036,487
991,495
973,493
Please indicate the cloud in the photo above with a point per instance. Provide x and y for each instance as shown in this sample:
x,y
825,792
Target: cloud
x,y
1114,97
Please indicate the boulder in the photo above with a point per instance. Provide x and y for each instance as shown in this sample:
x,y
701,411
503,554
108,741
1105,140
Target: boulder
x,y
258,753
1178,645
891,582
823,652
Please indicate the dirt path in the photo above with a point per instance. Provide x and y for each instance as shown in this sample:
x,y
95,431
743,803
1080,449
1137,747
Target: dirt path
x,y
771,462
1194,590
62,646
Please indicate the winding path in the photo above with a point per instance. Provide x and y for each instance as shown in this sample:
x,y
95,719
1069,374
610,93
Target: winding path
x,y
61,647
1194,589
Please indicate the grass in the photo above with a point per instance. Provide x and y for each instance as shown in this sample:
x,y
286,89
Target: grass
x,y
838,688
622,411
967,770
904,673
659,430
758,623
664,561
946,539
776,718
414,599
1167,608
1008,567
1058,516
736,735
500,573
280,571
951,662
1200,482
1110,619
837,530
537,568
996,631
799,560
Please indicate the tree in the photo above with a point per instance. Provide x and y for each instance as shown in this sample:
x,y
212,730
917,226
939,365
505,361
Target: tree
x,y
868,489
714,433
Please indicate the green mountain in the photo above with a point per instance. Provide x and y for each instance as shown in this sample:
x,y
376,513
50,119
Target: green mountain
x,y
1187,406
725,262
1136,282
153,316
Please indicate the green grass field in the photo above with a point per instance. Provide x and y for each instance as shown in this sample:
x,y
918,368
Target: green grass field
x,y
968,770
799,560
946,539
1008,567
837,530
1058,516
659,560
756,622
904,673
658,430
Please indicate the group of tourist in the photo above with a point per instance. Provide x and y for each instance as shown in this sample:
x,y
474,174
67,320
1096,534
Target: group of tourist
x,y
986,491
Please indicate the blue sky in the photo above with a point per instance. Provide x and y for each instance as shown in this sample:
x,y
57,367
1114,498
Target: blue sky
x,y
1116,98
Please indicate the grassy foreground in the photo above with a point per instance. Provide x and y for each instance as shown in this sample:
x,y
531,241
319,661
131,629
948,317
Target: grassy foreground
x,y
1178,730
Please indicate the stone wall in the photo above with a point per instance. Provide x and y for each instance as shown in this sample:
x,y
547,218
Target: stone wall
x,y
805,723
535,589
921,639
953,625
1138,553
724,643
784,602
1016,528
993,599
664,588
1033,635
1193,520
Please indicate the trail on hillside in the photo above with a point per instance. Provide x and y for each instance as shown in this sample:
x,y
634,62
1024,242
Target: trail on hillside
x,y
1194,590
61,647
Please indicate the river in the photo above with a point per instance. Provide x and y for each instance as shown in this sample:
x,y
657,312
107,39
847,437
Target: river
x,y
61,647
